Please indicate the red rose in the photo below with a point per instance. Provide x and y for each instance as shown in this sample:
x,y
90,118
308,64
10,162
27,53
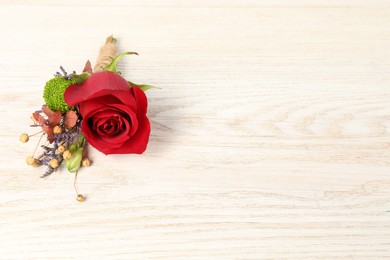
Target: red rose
x,y
114,114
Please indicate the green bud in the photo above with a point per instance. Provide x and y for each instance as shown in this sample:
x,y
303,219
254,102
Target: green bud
x,y
74,163
73,147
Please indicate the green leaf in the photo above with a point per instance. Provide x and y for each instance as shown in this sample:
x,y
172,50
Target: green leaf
x,y
112,66
80,78
143,87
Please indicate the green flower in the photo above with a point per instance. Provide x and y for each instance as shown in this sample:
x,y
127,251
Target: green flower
x,y
53,93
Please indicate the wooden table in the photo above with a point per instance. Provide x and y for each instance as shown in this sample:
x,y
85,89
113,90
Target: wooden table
x,y
270,133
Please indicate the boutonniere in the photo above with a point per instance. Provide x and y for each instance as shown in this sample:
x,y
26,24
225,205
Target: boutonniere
x,y
97,107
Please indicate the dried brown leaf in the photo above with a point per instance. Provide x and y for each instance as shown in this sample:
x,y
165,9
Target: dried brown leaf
x,y
88,67
70,119
38,118
47,111
55,118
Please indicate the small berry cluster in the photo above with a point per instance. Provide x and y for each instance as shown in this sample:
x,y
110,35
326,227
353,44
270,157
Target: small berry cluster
x,y
64,144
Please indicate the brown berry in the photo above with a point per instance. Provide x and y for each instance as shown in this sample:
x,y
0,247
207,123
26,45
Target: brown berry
x,y
67,155
80,198
54,163
30,160
61,148
24,138
85,162
35,164
57,130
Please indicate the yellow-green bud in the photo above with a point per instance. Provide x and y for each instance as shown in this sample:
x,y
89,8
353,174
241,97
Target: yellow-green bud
x,y
73,147
74,163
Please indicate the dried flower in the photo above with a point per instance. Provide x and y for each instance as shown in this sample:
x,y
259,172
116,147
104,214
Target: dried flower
x,y
53,119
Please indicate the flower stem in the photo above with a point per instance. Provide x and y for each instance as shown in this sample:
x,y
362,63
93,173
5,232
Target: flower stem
x,y
39,141
79,197
106,54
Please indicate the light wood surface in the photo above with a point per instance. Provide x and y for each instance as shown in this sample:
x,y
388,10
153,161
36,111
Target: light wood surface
x,y
270,133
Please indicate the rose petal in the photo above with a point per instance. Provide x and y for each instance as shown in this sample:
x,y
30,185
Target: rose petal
x,y
91,107
114,108
106,98
117,139
93,85
120,122
95,140
142,102
137,143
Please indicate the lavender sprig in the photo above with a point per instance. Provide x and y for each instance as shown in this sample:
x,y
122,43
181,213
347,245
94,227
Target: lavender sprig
x,y
64,74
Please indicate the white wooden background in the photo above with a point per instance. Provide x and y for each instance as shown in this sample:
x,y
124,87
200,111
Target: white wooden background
x,y
270,133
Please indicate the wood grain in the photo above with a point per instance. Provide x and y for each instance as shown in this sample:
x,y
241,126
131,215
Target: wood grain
x,y
270,133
